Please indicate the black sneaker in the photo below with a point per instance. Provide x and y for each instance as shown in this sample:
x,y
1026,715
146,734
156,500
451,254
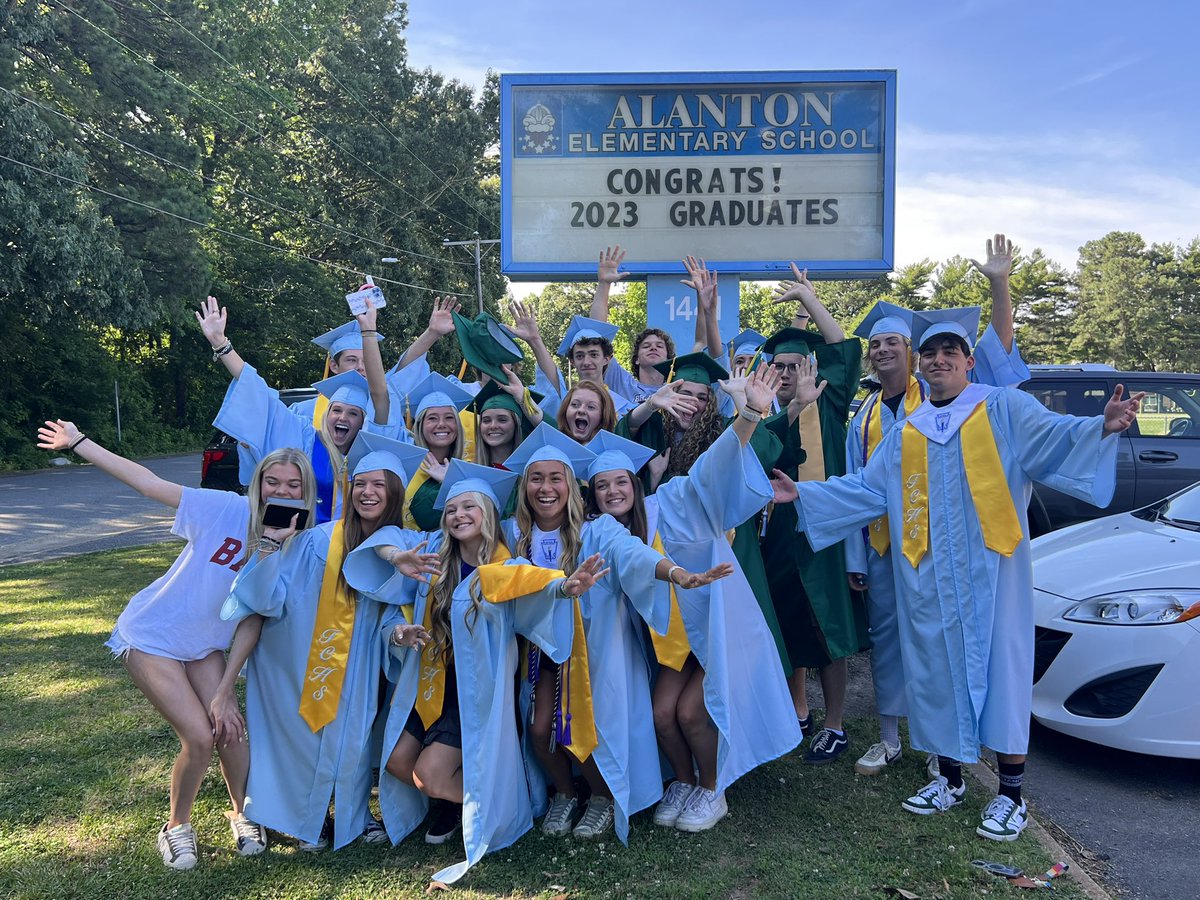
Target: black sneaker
x,y
826,746
806,725
444,823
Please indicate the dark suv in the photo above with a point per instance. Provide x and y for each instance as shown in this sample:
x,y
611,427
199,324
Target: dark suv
x,y
1158,456
219,465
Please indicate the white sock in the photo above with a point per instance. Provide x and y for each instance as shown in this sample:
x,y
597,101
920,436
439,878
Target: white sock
x,y
889,730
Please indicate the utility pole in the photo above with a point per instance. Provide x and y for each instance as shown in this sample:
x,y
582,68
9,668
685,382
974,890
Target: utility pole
x,y
477,250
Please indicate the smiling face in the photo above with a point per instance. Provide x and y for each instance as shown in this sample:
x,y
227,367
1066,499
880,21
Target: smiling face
x,y
463,517
498,427
946,365
651,351
439,427
369,494
588,359
614,494
547,490
583,415
698,391
344,422
889,354
281,481
347,361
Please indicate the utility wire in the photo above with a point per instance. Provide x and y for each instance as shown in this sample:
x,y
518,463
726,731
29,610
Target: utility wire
x,y
225,231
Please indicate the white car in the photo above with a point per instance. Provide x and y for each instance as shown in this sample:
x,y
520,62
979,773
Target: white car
x,y
1117,610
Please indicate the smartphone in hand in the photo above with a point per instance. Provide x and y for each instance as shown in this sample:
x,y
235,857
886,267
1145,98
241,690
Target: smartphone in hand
x,y
279,512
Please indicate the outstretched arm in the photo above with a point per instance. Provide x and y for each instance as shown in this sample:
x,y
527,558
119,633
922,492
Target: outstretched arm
x,y
997,270
802,290
61,435
704,283
760,388
441,323
525,327
606,276
212,318
373,364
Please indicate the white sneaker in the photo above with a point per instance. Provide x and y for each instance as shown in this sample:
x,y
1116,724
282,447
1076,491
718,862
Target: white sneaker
x,y
557,822
178,846
250,837
703,810
375,833
935,797
1003,820
877,758
597,818
672,804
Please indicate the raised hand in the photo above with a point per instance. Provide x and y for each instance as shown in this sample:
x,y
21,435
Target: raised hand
x,y
587,574
610,261
760,387
1120,413
999,259
807,389
366,319
57,435
415,564
784,488
412,636
702,281
524,324
212,318
668,399
514,386
691,580
801,289
441,318
434,469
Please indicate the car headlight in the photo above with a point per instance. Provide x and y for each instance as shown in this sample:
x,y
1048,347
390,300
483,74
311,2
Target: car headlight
x,y
1137,608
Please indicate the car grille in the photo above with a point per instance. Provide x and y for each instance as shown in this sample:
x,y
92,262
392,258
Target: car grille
x,y
1113,695
1047,644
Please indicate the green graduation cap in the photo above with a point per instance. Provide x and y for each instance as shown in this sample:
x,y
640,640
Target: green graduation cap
x,y
486,344
492,396
697,367
793,340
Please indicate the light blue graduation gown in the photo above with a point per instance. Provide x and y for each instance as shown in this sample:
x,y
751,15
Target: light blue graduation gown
x,y
253,414
294,772
745,691
497,806
554,394
965,614
627,750
994,366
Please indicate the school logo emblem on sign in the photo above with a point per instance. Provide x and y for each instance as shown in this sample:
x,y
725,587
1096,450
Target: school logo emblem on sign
x,y
539,125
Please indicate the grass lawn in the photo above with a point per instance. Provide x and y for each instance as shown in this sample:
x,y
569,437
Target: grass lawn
x,y
84,774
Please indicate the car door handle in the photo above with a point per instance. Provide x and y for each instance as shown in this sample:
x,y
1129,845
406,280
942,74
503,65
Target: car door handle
x,y
1157,456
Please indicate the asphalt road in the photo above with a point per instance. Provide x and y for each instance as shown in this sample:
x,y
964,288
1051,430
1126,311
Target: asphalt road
x,y
78,509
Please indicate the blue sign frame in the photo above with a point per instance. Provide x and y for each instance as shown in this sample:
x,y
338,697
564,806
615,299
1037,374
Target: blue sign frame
x,y
767,269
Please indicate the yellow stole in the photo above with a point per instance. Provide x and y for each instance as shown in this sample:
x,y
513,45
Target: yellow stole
x,y
813,444
998,519
325,671
672,648
871,437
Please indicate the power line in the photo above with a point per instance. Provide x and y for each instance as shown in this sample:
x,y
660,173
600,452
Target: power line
x,y
90,127
383,179
224,231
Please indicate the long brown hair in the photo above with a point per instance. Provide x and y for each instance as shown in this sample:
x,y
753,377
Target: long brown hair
x,y
570,533
639,526
483,453
706,427
353,531
608,409
450,564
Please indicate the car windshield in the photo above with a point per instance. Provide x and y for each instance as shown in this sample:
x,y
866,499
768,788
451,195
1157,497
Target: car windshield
x,y
1182,510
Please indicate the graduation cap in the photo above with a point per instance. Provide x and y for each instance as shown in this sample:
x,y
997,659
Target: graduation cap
x,y
464,478
747,343
963,322
436,390
886,318
492,396
372,452
697,367
793,340
486,344
346,387
615,452
582,328
344,337
548,443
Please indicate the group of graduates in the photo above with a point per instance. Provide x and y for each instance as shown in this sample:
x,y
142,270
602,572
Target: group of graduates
x,y
601,593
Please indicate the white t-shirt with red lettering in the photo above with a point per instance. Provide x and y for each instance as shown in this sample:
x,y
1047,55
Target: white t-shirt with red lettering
x,y
178,616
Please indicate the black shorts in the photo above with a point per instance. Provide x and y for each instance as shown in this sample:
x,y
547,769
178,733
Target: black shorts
x,y
447,729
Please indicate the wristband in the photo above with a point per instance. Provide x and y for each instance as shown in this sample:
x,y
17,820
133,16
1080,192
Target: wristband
x,y
670,572
367,331
268,545
223,350
751,415
749,408
79,440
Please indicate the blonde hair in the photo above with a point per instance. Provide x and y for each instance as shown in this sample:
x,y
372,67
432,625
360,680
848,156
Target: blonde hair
x,y
418,435
570,533
869,367
308,491
336,457
483,453
450,563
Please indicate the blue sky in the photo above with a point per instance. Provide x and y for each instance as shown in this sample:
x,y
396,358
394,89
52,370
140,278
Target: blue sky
x,y
1056,122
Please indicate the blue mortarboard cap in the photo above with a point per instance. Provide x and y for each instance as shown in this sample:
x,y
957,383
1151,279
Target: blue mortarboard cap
x,y
371,452
346,387
615,452
963,321
464,478
344,337
437,390
581,328
886,318
545,443
748,343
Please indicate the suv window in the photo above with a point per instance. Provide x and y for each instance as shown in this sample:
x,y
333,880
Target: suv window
x,y
1168,410
1075,398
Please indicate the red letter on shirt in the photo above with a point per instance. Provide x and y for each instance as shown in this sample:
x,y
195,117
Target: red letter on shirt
x,y
227,552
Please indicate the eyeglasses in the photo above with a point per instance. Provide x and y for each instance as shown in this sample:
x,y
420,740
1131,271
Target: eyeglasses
x,y
786,367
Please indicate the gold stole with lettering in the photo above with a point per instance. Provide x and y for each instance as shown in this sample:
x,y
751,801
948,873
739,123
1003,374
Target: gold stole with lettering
x,y
325,671
998,519
880,539
672,648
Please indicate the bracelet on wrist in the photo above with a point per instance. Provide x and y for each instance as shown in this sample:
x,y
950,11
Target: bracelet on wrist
x,y
671,574
223,350
751,415
749,408
268,545
79,440
367,331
